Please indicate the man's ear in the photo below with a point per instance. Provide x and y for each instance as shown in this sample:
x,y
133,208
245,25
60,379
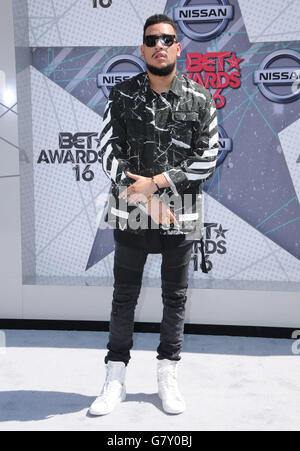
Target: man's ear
x,y
179,49
142,51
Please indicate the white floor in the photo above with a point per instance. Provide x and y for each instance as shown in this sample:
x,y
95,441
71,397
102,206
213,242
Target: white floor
x,y
48,379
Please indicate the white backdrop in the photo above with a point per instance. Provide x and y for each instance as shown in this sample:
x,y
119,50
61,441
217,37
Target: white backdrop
x,y
18,300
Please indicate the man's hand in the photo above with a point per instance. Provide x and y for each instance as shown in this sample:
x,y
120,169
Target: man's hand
x,y
160,212
143,186
139,192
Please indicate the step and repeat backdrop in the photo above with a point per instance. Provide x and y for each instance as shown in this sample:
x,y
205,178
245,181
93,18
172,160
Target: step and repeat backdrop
x,y
240,51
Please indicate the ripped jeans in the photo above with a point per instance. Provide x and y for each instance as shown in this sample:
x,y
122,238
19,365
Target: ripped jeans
x,y
128,272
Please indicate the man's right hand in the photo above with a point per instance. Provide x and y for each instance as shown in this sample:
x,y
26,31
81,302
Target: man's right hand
x,y
160,212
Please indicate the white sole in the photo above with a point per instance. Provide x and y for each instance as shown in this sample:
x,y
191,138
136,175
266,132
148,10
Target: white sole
x,y
96,413
170,411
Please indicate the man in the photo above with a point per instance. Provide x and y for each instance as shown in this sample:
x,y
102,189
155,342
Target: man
x,y
159,142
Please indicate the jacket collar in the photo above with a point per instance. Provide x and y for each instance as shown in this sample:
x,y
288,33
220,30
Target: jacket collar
x,y
176,86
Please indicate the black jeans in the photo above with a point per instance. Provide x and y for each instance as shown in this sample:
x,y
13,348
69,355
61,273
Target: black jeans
x,y
128,272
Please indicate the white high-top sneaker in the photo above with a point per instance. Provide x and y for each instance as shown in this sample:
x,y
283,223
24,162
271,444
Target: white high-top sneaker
x,y
168,390
113,390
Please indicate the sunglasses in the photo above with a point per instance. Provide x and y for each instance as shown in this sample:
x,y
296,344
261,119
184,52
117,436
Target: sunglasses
x,y
166,39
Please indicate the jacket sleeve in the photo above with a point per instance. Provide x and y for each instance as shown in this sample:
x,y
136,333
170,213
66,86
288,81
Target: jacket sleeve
x,y
113,142
201,165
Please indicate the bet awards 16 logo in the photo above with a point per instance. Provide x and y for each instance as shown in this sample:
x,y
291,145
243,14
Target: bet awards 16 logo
x,y
216,70
102,3
76,149
213,243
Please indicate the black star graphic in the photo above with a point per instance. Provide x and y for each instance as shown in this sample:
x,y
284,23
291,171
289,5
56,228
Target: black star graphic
x,y
220,231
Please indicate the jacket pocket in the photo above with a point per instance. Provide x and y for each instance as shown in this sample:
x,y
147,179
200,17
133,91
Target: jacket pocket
x,y
185,116
184,124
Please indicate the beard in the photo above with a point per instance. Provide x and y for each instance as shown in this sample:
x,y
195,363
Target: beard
x,y
161,71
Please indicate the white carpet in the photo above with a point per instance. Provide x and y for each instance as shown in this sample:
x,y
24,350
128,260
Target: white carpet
x,y
48,379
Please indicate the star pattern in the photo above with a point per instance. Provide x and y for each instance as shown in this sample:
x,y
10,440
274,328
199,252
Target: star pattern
x,y
234,62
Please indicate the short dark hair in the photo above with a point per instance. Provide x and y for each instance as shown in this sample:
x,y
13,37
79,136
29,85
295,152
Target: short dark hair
x,y
158,18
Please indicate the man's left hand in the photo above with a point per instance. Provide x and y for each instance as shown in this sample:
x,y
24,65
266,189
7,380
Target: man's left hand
x,y
143,186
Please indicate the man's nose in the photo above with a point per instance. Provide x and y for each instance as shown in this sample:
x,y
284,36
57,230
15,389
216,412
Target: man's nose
x,y
159,45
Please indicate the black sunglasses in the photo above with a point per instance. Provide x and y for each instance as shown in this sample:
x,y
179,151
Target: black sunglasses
x,y
166,39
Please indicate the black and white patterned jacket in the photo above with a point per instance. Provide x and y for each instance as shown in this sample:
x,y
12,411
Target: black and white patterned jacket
x,y
174,133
